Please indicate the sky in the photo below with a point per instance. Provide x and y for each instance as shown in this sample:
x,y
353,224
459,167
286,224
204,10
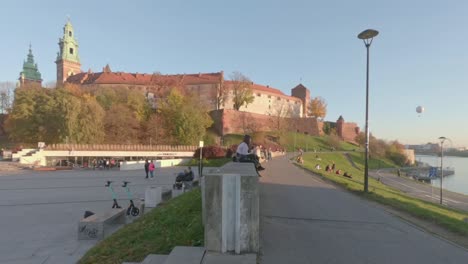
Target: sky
x,y
420,56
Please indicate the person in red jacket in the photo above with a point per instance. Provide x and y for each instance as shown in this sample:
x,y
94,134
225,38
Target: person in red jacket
x,y
151,168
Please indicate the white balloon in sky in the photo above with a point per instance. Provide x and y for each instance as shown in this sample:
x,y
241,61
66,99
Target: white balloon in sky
x,y
419,109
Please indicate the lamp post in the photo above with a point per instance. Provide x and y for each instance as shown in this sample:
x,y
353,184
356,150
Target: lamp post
x,y
442,140
367,36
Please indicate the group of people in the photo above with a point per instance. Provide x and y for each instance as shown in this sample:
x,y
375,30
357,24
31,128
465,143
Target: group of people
x,y
149,168
331,168
246,152
104,163
185,176
299,158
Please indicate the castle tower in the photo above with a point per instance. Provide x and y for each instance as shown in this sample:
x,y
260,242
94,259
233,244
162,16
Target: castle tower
x,y
340,126
301,92
68,61
30,74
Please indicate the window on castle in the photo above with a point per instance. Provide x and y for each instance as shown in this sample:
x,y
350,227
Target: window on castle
x,y
287,100
69,33
269,96
279,98
71,51
259,95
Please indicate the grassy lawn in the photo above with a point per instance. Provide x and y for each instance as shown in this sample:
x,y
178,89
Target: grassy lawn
x,y
450,219
176,223
358,158
291,139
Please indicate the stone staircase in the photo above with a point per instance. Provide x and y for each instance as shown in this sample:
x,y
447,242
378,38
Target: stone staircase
x,y
197,255
179,255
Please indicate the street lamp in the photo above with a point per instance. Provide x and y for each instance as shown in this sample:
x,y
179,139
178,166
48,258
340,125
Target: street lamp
x,y
367,36
442,140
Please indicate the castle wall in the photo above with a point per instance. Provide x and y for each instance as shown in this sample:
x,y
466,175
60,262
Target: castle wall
x,y
206,92
348,131
270,104
228,121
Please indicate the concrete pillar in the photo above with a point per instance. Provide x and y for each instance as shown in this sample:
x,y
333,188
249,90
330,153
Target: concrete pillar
x,y
153,196
231,209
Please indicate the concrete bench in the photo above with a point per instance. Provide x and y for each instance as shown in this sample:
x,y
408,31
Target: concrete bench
x,y
185,255
92,227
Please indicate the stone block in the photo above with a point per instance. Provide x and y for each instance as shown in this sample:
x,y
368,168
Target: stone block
x,y
231,208
153,196
154,259
185,255
93,227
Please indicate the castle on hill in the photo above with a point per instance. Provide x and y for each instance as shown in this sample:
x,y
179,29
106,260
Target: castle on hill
x,y
268,102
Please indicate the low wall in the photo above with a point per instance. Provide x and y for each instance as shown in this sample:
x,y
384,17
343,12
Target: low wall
x,y
139,165
40,158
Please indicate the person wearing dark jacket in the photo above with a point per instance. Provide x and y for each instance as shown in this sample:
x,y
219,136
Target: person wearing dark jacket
x,y
146,168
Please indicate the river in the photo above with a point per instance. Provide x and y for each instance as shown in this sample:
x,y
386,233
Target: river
x,y
457,182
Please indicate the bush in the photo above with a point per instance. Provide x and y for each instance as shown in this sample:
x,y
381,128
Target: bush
x,y
211,152
398,158
231,151
210,139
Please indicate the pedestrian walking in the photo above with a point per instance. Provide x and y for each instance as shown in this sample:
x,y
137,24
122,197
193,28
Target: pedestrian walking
x,y
146,168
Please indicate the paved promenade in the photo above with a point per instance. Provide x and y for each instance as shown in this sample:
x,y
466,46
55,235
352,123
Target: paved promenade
x,y
41,210
305,220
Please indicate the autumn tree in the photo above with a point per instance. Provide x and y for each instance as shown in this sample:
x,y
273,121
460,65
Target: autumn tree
x,y
90,121
54,116
241,89
106,96
329,128
19,124
278,116
184,119
137,102
318,108
222,94
6,96
121,125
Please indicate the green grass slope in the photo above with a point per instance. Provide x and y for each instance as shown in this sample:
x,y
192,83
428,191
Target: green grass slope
x,y
176,223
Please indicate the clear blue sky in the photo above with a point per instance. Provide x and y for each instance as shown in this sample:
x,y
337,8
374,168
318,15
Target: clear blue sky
x,y
419,58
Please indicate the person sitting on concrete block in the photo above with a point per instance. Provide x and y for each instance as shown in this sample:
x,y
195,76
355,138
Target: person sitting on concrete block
x,y
244,155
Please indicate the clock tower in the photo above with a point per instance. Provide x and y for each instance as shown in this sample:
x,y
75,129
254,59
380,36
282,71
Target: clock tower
x,y
68,61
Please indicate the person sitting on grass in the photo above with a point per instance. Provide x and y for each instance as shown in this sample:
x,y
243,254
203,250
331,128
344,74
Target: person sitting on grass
x,y
327,168
244,155
338,172
300,160
346,174
317,166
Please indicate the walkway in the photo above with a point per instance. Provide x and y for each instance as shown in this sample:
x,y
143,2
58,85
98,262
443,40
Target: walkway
x,y
41,210
305,220
423,191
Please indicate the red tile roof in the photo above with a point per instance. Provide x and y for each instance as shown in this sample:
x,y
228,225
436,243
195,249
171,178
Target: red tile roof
x,y
144,79
259,87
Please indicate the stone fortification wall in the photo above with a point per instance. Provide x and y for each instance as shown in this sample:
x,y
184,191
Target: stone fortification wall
x,y
349,131
238,122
